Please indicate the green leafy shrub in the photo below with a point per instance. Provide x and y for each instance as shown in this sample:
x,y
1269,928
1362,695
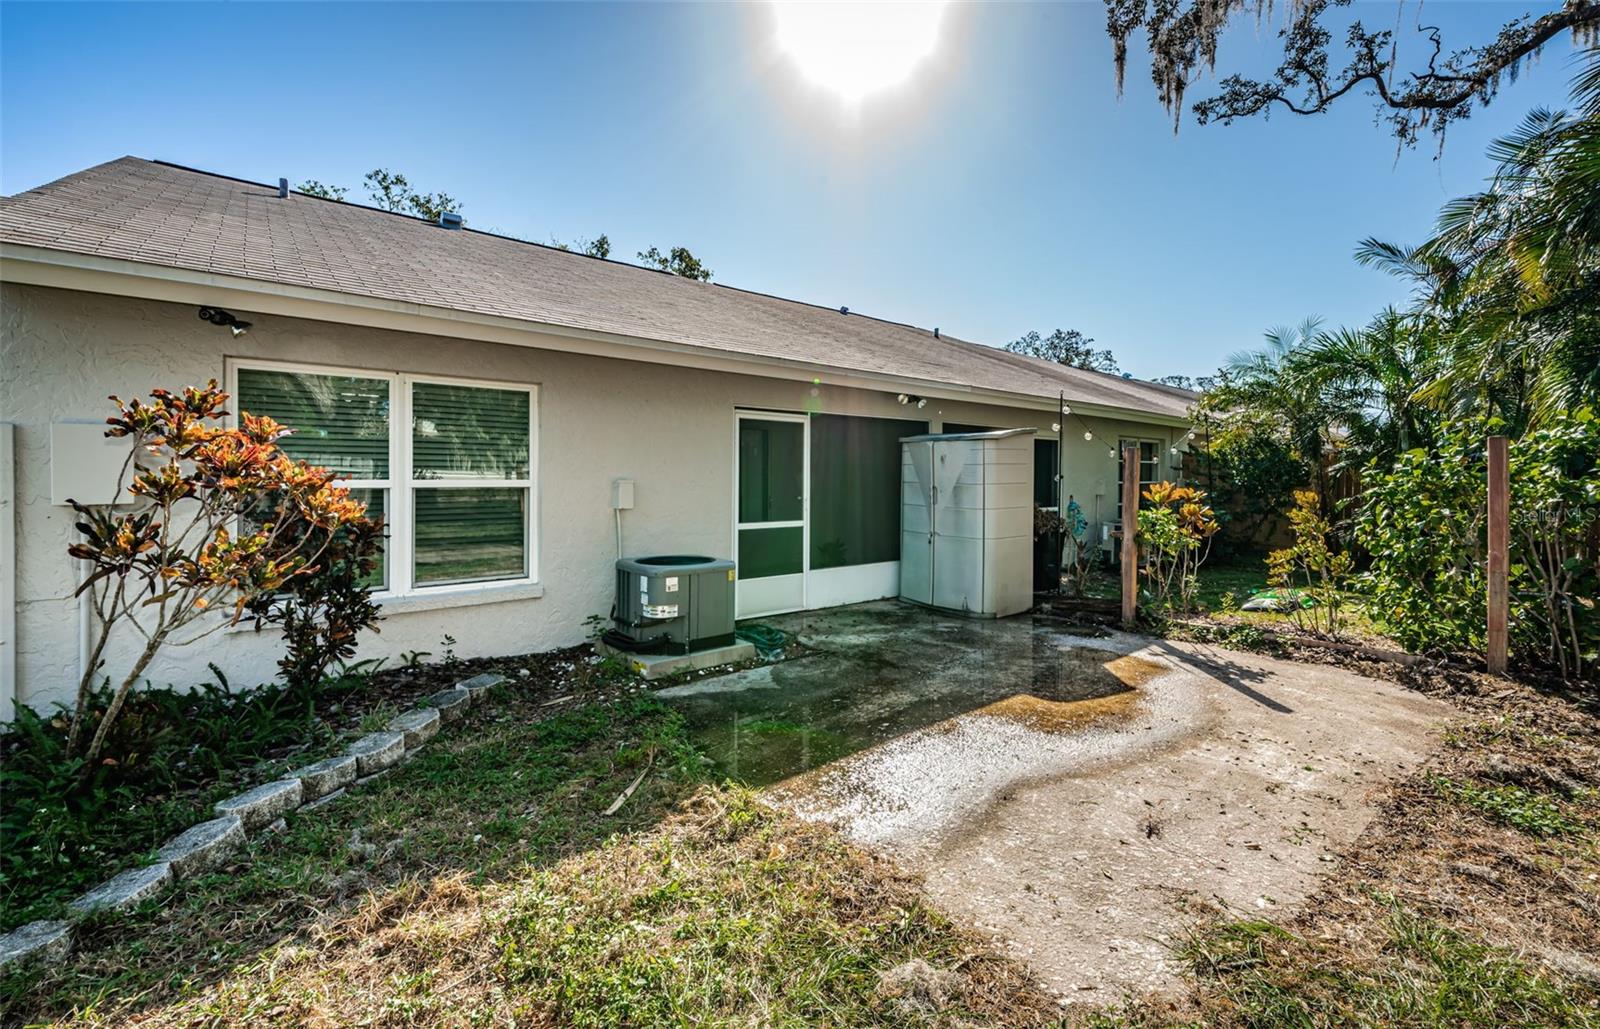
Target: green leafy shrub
x,y
1312,566
1175,532
1425,524
1555,540
68,822
1251,477
324,609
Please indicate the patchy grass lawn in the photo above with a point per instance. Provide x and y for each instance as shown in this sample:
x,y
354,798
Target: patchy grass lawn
x,y
726,913
483,883
499,792
174,754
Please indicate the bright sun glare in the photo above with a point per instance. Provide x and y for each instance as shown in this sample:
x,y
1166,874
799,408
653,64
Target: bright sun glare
x,y
854,49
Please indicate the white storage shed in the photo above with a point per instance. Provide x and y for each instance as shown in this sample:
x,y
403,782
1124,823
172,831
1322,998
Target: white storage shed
x,y
966,521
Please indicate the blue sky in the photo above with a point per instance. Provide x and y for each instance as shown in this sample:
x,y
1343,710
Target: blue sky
x,y
1003,188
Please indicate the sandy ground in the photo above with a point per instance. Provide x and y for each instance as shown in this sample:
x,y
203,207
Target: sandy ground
x,y
1085,834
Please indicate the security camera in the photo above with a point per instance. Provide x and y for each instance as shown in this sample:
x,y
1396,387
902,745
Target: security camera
x,y
217,316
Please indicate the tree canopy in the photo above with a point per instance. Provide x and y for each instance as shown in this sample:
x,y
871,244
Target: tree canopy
x,y
678,261
1065,346
1428,93
389,191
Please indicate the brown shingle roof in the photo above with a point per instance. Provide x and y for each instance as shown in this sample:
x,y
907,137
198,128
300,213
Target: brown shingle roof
x,y
162,214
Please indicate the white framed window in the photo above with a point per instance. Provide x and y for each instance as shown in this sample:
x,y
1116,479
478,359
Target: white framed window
x,y
1149,466
449,462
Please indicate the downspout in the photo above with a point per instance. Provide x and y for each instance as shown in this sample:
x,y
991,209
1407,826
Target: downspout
x,y
85,619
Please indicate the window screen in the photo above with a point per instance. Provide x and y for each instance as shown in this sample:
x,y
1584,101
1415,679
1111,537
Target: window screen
x,y
339,421
855,489
464,432
1045,469
470,434
470,535
1149,468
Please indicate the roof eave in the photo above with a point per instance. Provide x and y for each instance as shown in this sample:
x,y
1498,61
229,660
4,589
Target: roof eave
x,y
62,269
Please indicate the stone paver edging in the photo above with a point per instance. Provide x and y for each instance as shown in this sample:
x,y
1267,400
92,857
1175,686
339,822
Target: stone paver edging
x,y
211,843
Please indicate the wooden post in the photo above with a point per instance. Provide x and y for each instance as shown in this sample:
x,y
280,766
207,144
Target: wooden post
x,y
1499,552
1130,528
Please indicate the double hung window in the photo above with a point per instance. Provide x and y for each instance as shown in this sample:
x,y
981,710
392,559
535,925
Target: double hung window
x,y
449,464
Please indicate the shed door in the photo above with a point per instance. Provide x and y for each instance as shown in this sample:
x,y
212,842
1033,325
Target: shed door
x,y
958,513
916,522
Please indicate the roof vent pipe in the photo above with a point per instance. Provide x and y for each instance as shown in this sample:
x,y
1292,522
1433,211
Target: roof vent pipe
x,y
844,310
936,332
449,220
283,189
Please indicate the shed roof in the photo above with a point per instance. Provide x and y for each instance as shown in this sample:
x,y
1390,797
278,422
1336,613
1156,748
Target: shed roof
x,y
162,214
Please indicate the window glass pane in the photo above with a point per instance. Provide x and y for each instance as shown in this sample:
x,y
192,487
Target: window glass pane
x,y
377,501
855,489
470,535
771,470
464,432
1045,471
764,552
339,421
267,508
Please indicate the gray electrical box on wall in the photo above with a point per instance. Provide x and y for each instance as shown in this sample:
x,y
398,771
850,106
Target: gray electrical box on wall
x,y
622,494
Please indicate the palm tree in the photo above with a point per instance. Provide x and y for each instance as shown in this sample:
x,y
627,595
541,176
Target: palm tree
x,y
1369,380
1267,392
1512,274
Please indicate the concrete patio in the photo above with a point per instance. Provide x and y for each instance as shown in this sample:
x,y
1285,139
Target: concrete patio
x,y
1083,798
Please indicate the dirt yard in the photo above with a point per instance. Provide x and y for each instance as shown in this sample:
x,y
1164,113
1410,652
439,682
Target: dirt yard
x,y
1083,799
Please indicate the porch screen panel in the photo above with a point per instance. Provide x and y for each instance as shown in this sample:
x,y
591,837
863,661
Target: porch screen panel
x,y
771,471
767,552
855,489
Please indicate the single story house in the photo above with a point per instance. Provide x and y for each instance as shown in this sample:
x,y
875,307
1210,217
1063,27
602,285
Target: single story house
x,y
487,395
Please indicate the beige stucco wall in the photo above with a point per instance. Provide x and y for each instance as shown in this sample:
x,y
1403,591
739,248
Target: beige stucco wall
x,y
668,428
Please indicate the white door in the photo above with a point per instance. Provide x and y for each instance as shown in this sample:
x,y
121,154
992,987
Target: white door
x,y
916,522
771,540
958,513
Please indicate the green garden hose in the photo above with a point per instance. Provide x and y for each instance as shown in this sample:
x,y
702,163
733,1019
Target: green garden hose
x,y
768,641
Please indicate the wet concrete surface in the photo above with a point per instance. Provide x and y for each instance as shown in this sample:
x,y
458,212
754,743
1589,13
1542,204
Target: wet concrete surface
x,y
1075,796
878,672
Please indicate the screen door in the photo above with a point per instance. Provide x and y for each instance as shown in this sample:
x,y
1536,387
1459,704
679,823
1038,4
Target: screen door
x,y
771,544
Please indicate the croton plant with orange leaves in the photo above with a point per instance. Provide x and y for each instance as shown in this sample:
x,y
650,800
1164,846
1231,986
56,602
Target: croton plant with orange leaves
x,y
187,549
1175,529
